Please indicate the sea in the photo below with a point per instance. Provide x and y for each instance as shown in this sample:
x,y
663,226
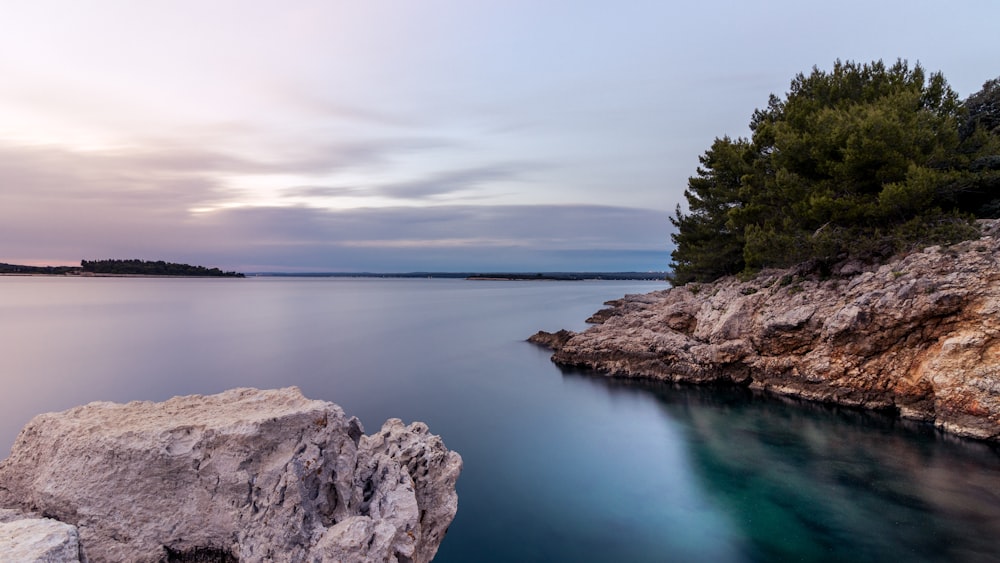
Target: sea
x,y
559,465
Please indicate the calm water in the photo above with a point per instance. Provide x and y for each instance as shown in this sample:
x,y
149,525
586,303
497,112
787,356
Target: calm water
x,y
559,466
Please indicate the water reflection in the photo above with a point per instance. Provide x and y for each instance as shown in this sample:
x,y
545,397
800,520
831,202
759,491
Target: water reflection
x,y
557,468
809,482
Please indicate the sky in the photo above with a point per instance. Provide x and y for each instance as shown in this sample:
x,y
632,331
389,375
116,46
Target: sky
x,y
406,135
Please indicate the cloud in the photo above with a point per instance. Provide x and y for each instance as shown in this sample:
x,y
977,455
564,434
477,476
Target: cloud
x,y
447,185
437,238
322,107
184,174
63,206
320,191
451,182
552,225
31,175
301,155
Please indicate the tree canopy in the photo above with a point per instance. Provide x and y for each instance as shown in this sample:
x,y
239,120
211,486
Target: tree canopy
x,y
151,268
860,162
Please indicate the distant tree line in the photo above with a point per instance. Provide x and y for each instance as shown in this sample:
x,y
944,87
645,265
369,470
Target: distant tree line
x,y
861,162
151,268
46,270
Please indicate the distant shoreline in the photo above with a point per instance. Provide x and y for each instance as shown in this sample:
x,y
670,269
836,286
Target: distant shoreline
x,y
479,276
91,275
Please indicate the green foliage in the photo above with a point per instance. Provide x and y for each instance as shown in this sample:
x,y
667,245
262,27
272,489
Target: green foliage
x,y
980,189
860,162
707,243
984,109
43,270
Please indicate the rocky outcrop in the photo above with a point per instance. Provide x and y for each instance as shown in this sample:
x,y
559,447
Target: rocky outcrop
x,y
27,538
920,335
245,475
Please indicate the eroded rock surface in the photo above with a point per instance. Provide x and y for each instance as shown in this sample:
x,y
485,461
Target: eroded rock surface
x,y
31,539
920,335
244,475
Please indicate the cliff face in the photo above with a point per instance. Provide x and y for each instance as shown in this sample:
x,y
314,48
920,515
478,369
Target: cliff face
x,y
920,335
245,475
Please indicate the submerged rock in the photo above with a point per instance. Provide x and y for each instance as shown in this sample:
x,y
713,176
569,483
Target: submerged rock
x,y
245,475
920,335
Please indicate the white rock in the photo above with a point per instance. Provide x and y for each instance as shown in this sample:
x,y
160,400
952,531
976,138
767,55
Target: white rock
x,y
246,474
38,540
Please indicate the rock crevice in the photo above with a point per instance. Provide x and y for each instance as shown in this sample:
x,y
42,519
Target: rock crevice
x,y
919,335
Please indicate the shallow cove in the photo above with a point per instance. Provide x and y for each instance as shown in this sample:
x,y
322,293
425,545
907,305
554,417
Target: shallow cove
x,y
559,466
817,482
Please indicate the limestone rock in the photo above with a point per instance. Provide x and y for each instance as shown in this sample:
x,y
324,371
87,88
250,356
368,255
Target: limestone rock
x,y
920,335
553,340
244,475
29,539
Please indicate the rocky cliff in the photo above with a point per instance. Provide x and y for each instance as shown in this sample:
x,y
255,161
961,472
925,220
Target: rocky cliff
x,y
919,335
245,475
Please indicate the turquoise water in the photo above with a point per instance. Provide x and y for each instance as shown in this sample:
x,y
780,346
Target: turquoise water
x,y
559,465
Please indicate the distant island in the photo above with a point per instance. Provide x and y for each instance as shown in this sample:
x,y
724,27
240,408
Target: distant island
x,y
151,268
113,267
18,269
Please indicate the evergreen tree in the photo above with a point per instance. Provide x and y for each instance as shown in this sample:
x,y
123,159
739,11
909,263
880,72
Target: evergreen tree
x,y
860,162
708,244
984,108
979,191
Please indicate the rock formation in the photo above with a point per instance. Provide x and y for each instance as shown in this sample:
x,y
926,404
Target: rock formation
x,y
919,335
245,475
26,538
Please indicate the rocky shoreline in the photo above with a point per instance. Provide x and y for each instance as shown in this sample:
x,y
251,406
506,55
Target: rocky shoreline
x,y
919,336
244,475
